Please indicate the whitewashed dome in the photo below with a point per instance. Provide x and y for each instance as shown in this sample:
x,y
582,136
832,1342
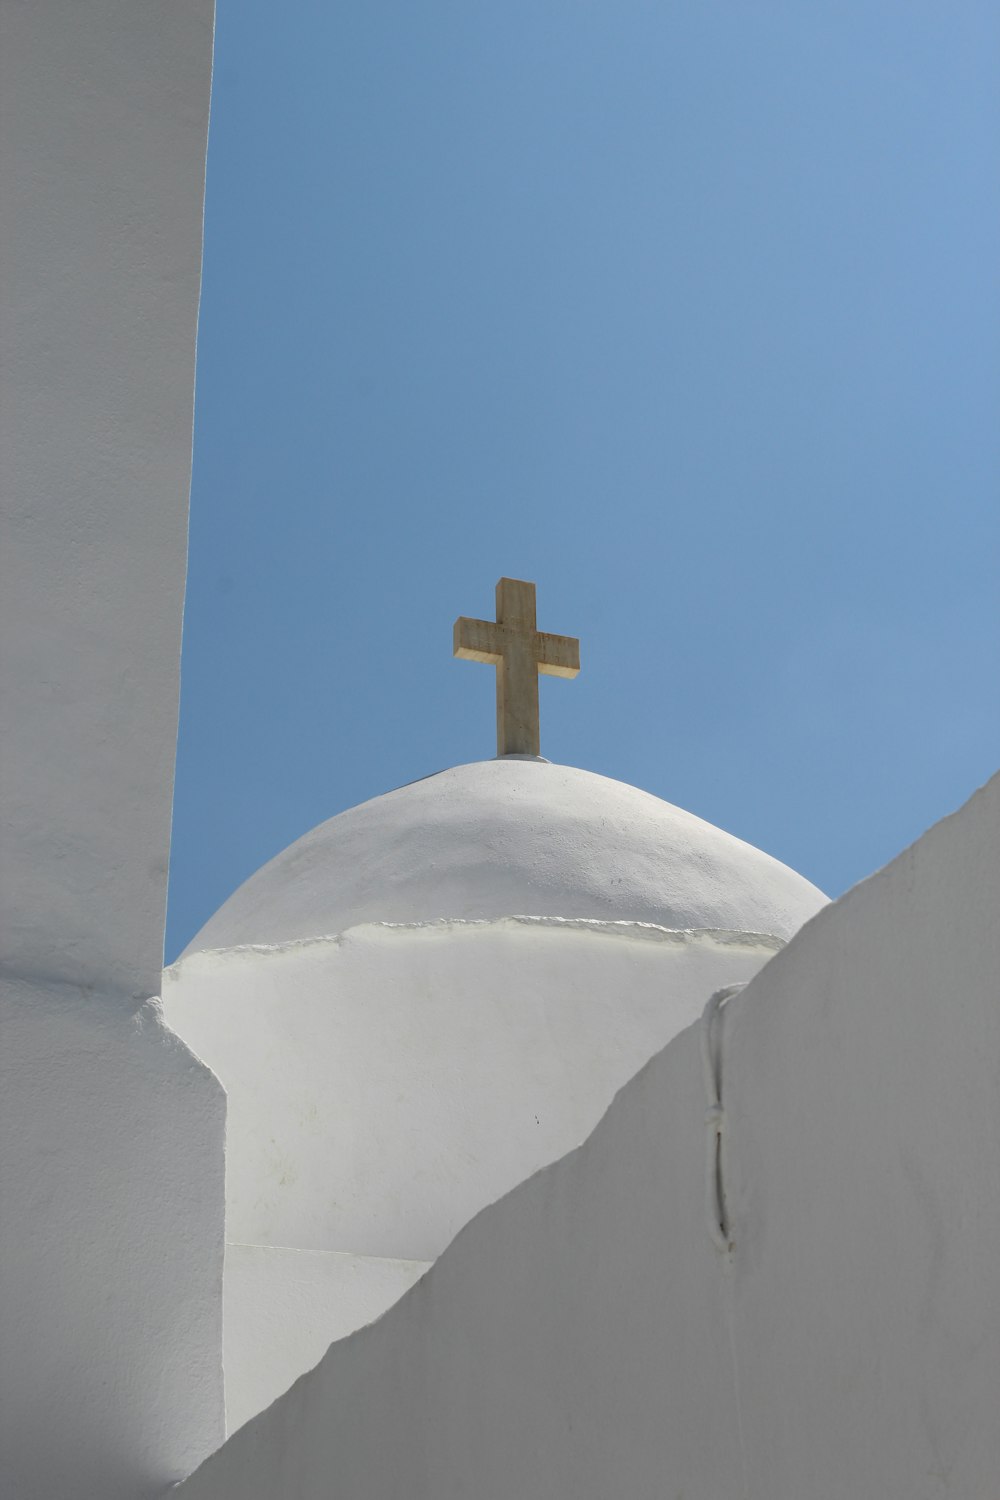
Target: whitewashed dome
x,y
429,998
508,837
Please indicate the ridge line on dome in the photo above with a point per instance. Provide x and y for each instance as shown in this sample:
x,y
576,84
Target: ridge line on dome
x,y
620,927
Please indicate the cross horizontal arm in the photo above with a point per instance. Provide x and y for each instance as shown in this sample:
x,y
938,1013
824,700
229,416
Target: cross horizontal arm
x,y
485,640
479,640
557,655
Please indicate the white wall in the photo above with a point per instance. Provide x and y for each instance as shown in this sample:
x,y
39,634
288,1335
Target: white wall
x,y
385,1086
571,1343
584,1338
862,1088
111,1246
284,1308
103,121
111,1152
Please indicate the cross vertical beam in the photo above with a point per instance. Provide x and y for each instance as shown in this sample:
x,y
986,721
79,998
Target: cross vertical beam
x,y
519,651
518,729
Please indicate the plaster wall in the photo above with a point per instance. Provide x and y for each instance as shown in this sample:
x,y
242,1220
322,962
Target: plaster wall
x,y
111,1150
284,1308
111,1248
572,1342
583,1337
103,123
385,1086
862,1093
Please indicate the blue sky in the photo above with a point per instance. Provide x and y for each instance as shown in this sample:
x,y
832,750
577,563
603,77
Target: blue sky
x,y
691,313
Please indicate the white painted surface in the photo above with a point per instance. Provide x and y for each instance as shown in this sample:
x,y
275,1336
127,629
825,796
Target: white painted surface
x,y
382,1088
111,1147
582,1338
103,121
111,1245
500,837
284,1308
862,1090
571,1343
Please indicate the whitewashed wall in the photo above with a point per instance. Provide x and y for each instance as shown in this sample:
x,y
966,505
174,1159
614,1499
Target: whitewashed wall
x,y
862,1088
111,1147
103,122
571,1342
385,1086
284,1308
583,1337
111,1249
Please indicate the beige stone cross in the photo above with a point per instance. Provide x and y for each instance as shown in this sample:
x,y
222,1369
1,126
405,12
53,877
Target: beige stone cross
x,y
519,652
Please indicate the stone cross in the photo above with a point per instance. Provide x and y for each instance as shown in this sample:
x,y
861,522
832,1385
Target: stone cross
x,y
519,652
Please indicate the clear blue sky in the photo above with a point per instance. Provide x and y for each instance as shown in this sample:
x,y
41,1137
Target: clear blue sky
x,y
689,312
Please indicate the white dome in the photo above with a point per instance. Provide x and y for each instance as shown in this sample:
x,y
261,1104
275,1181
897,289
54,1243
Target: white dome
x,y
385,1083
509,837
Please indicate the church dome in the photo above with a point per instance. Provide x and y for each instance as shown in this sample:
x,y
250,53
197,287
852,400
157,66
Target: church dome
x,y
511,837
